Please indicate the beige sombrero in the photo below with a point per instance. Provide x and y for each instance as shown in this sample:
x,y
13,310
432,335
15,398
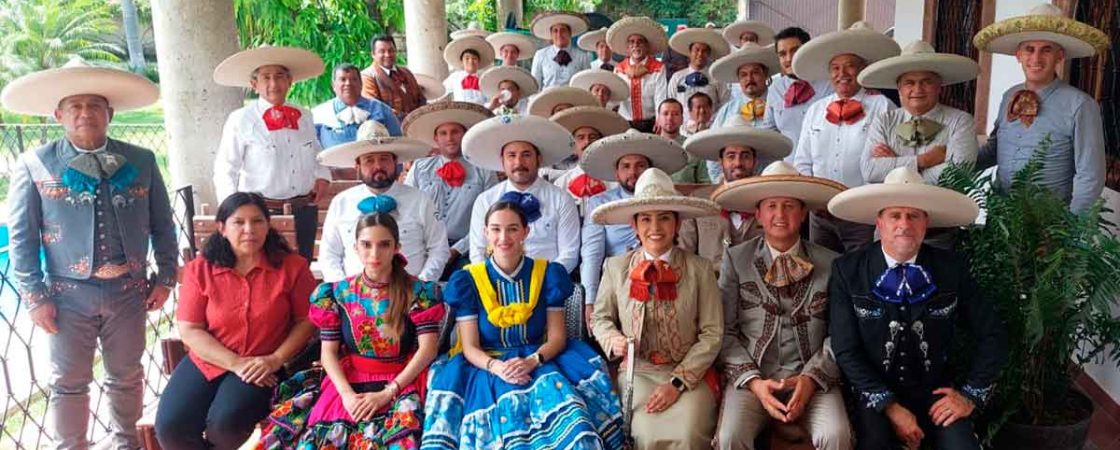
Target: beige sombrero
x,y
607,122
236,70
453,53
599,158
654,191
542,104
373,137
919,56
472,29
482,145
421,123
1044,22
732,32
39,93
584,79
767,144
430,86
494,76
810,63
779,179
542,23
653,32
526,48
683,39
903,186
587,41
726,69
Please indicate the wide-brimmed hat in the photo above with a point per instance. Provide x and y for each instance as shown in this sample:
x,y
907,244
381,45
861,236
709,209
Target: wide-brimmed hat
x,y
599,158
373,137
919,56
904,187
607,122
779,179
542,23
732,32
482,145
472,29
430,86
590,39
237,69
1044,22
726,69
584,79
422,122
452,55
542,104
526,48
621,30
683,39
811,61
767,144
39,93
489,81
654,191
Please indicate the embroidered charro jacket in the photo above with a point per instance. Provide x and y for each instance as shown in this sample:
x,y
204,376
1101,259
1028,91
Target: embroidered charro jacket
x,y
712,235
58,218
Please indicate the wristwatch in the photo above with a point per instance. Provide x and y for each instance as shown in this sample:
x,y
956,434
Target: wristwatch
x,y
537,356
678,383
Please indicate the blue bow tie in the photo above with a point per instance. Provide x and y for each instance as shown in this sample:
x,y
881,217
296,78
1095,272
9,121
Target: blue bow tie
x,y
695,80
377,204
528,203
904,283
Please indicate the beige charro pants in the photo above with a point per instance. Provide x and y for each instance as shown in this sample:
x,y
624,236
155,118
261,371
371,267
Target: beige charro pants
x,y
744,418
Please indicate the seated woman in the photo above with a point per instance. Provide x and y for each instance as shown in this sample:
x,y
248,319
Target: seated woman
x,y
667,301
379,330
242,313
518,383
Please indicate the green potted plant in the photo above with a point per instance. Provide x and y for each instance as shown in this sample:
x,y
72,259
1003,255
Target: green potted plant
x,y
1054,277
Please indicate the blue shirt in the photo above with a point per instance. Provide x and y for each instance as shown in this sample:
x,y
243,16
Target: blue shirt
x,y
601,242
453,204
331,132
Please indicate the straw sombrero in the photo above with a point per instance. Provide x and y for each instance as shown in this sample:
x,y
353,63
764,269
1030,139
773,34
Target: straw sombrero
x,y
607,122
421,123
599,158
1044,22
430,87
767,144
542,104
919,56
653,32
236,70
682,40
452,55
904,187
482,145
654,191
526,48
542,23
726,69
490,80
584,79
587,41
472,29
732,32
810,63
779,179
373,137
40,93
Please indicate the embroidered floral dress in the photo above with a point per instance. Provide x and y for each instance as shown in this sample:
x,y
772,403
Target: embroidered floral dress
x,y
309,412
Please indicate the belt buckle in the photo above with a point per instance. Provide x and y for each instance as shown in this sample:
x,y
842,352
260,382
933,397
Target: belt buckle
x,y
110,271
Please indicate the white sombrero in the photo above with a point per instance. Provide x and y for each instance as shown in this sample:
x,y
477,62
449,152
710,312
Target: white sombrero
x,y
682,40
605,121
584,79
726,69
526,48
373,137
1044,22
767,144
919,56
482,145
779,179
904,187
590,39
452,55
422,122
732,32
599,158
39,93
494,76
654,191
472,29
542,23
236,70
621,30
430,86
811,61
542,104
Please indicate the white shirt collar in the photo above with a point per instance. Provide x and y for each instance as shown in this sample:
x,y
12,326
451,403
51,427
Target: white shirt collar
x,y
664,256
891,262
932,111
775,253
503,274
82,150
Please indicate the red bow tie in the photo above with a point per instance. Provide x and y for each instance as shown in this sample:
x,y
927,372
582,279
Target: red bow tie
x,y
470,82
799,92
742,215
452,173
281,117
847,111
653,280
584,186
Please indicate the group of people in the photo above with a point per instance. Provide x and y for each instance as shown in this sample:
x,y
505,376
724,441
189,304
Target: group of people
x,y
488,198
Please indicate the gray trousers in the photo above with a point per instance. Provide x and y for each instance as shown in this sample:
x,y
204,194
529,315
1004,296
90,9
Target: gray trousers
x,y
839,235
744,418
111,313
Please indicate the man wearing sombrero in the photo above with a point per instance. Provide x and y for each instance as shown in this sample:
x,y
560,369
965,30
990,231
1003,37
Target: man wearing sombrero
x,y
748,31
448,179
551,102
508,89
595,42
587,125
894,307
621,158
751,67
834,135
777,365
512,47
789,97
375,156
468,57
554,65
1046,109
702,45
604,85
337,119
519,146
639,38
386,81
270,146
83,213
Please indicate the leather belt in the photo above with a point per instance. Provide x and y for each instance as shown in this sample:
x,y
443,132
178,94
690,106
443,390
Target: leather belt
x,y
110,271
294,202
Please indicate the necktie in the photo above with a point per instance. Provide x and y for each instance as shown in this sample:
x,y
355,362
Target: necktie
x,y
904,283
281,117
653,280
528,203
753,109
799,92
562,58
352,115
452,173
1024,106
378,204
786,270
918,131
470,82
846,111
584,186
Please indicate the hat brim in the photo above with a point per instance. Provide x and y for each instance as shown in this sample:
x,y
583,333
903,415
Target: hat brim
x,y
542,104
586,78
600,158
726,69
767,144
430,87
945,207
587,41
621,212
951,68
811,61
459,34
421,123
621,30
745,194
732,32
526,48
236,70
1079,39
40,93
682,40
489,81
346,155
541,25
482,145
453,52
607,122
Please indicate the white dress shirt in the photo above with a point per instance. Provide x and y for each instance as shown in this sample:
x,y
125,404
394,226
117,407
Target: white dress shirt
x,y
598,63
834,151
423,237
654,88
567,177
277,164
548,73
554,236
788,121
678,90
958,135
454,84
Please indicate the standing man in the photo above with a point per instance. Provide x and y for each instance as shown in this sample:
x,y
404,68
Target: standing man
x,y
743,32
750,66
604,85
670,118
702,45
511,47
639,38
93,207
508,88
337,120
587,125
468,57
554,65
789,97
269,146
386,81
595,42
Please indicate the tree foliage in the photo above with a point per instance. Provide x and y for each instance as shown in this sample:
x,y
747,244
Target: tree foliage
x,y
46,34
720,12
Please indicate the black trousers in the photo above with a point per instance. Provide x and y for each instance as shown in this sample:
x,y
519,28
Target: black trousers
x,y
307,224
225,409
875,432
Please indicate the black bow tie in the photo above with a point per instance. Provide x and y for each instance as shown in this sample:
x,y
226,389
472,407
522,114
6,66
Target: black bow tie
x,y
562,58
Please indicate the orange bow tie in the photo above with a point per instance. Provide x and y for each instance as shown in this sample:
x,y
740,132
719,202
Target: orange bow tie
x,y
653,280
1024,106
846,111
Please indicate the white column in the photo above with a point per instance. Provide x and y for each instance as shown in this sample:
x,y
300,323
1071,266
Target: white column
x,y
848,12
909,18
505,7
742,10
425,25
